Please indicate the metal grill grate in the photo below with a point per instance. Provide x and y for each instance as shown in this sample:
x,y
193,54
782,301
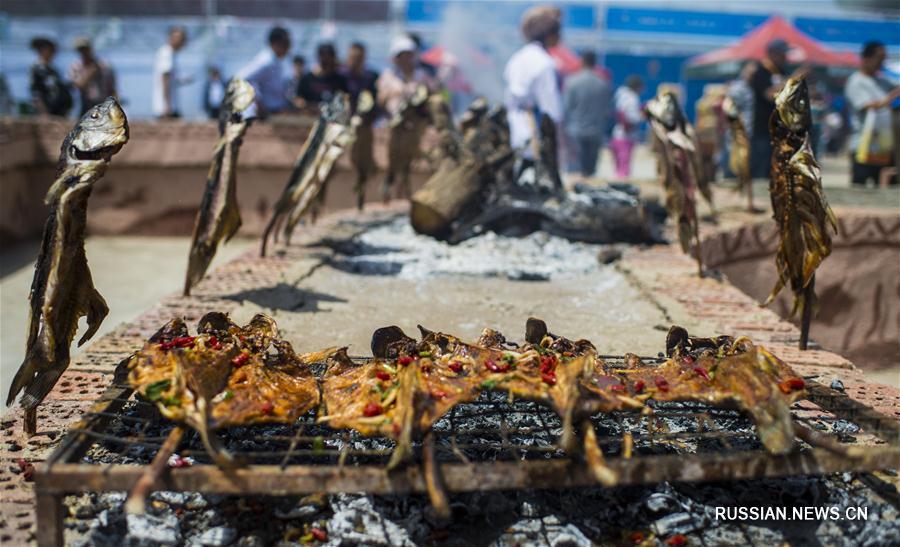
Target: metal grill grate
x,y
490,444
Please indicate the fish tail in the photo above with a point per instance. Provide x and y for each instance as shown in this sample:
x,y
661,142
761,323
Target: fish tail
x,y
97,310
23,377
39,387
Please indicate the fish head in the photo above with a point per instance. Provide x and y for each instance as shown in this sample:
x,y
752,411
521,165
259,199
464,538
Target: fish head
x,y
102,132
239,96
792,104
664,108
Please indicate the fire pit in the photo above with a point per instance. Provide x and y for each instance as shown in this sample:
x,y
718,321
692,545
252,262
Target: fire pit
x,y
491,444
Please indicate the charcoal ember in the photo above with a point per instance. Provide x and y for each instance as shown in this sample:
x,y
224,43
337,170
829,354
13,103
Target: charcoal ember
x,y
251,540
356,521
678,523
837,385
153,530
219,536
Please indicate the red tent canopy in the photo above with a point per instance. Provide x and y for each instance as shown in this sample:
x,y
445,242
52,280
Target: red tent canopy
x,y
567,62
435,56
752,46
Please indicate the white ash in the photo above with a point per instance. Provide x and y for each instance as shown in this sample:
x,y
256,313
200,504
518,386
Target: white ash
x,y
395,249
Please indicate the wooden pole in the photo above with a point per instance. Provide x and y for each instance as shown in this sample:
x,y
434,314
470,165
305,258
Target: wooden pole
x,y
136,502
29,425
808,296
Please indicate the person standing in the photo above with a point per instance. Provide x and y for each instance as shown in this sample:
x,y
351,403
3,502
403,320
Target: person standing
x,y
531,80
91,76
166,78
870,97
586,105
627,107
766,82
298,62
49,93
213,93
265,73
323,81
358,76
400,81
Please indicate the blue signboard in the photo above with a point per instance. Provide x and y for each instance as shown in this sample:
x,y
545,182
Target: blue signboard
x,y
575,16
850,31
681,22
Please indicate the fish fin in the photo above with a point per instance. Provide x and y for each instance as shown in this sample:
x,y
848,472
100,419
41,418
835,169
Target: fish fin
x,y
23,377
38,389
318,356
96,312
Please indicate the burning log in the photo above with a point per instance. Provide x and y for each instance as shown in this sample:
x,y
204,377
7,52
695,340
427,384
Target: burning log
x,y
219,217
406,130
798,202
675,160
330,136
739,150
62,291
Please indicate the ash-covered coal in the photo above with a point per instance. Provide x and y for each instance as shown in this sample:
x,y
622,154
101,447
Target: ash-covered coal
x,y
394,248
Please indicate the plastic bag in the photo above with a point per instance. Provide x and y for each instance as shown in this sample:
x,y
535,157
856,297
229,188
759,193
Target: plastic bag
x,y
875,140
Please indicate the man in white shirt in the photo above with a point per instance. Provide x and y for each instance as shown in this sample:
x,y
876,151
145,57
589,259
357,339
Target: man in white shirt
x,y
265,74
532,87
165,75
870,98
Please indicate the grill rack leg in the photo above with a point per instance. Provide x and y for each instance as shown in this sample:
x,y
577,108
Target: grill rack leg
x,y
50,514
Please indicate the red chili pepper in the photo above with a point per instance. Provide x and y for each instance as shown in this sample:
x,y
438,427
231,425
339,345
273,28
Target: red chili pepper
x,y
677,540
373,409
639,386
636,537
240,360
180,342
548,363
426,367
688,359
319,534
792,384
617,387
661,383
267,407
214,343
405,360
438,394
178,462
396,429
455,366
702,373
549,378
27,469
383,375
494,367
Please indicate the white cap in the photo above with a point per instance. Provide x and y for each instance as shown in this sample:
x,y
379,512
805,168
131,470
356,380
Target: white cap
x,y
400,44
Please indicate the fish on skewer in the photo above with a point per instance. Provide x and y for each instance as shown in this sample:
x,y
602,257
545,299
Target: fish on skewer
x,y
805,221
219,217
738,149
224,376
361,152
330,136
62,290
675,151
406,129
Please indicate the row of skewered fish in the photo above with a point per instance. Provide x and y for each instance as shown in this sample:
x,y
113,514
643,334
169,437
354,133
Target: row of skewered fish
x,y
229,375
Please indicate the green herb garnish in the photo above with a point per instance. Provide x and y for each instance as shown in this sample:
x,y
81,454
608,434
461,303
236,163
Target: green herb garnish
x,y
155,390
489,384
424,354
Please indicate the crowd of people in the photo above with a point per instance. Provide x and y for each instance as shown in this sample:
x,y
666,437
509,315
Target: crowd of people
x,y
588,113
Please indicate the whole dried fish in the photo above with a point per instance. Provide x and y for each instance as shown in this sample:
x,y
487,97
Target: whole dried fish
x,y
804,219
362,152
675,153
62,290
739,149
219,217
330,136
406,129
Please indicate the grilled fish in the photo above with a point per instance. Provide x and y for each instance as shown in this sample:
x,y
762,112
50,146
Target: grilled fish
x,y
804,219
62,290
219,216
225,376
406,129
676,166
330,136
739,149
361,152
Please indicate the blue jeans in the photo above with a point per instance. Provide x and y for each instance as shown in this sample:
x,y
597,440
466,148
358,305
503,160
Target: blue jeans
x,y
587,150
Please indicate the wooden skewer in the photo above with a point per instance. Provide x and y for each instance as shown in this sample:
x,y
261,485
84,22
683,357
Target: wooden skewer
x,y
593,455
137,498
29,425
806,319
433,481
